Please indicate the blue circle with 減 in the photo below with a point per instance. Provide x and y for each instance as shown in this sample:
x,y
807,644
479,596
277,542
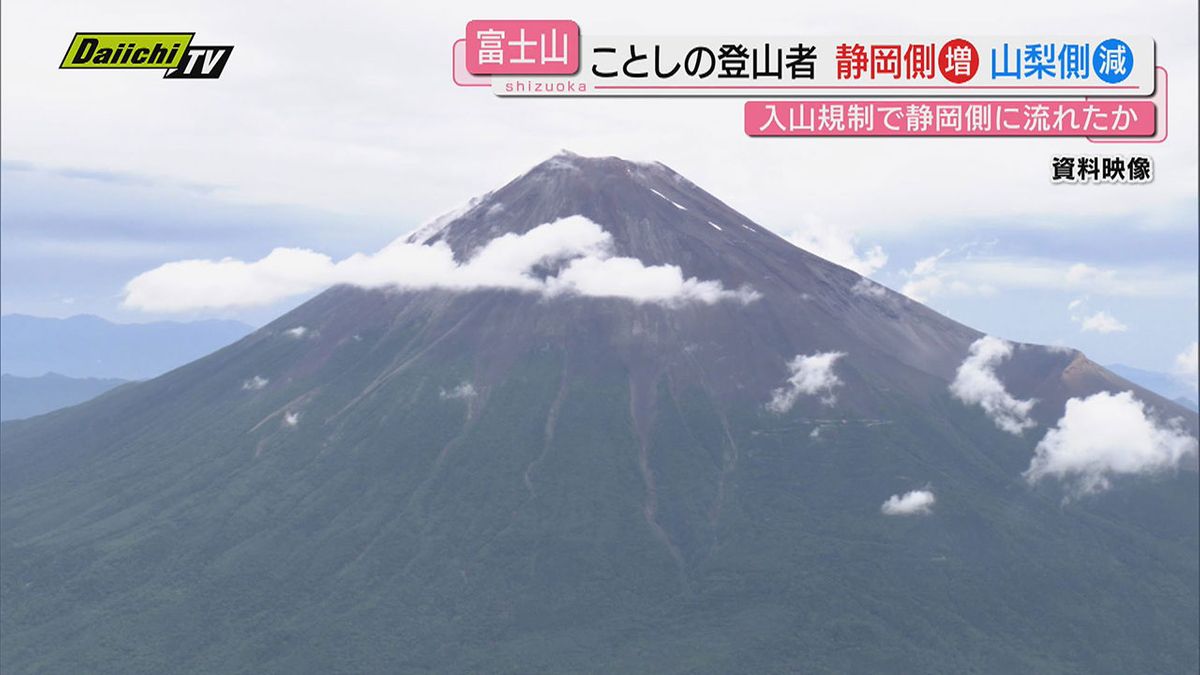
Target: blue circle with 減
x,y
1112,61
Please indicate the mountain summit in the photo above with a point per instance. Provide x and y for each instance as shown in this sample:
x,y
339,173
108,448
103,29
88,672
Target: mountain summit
x,y
791,469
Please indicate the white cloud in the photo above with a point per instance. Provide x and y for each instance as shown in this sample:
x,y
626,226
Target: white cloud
x,y
628,278
1106,435
810,375
297,332
192,284
928,265
430,229
838,245
1081,274
255,383
1102,322
1187,365
291,419
506,262
463,391
868,288
976,383
929,278
1094,322
923,289
947,275
915,503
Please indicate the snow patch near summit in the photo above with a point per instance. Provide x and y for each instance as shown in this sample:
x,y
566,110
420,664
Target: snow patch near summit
x,y
677,204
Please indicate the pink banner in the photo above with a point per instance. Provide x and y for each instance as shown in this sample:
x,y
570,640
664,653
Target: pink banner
x,y
507,47
950,118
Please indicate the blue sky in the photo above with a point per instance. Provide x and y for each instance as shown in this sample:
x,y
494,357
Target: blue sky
x,y
109,174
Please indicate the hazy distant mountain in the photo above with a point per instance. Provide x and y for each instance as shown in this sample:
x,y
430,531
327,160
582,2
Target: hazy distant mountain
x,y
22,397
1164,384
88,346
507,482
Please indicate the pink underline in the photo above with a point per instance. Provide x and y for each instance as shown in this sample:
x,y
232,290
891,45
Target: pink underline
x,y
851,86
1105,140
